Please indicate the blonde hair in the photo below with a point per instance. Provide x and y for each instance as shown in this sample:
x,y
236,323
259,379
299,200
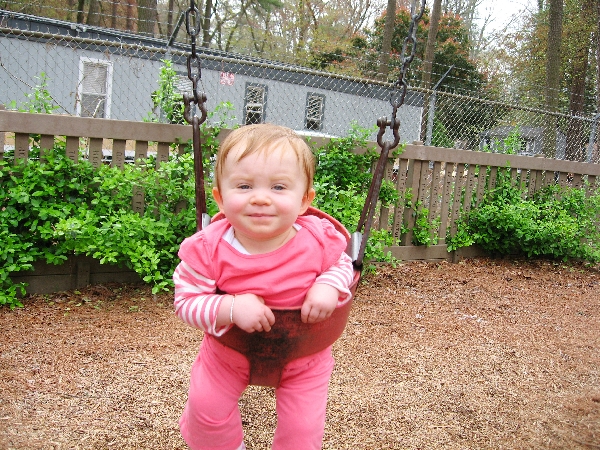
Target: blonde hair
x,y
263,138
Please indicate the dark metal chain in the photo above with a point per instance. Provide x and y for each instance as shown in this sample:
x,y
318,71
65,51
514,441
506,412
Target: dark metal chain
x,y
396,100
401,85
192,26
194,72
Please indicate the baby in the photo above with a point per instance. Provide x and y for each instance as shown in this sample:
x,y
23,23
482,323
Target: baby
x,y
264,255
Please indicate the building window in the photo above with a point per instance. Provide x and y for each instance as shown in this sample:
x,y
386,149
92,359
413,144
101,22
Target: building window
x,y
315,105
95,87
256,98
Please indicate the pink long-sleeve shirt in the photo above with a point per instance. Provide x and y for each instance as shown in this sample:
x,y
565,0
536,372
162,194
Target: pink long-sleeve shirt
x,y
210,266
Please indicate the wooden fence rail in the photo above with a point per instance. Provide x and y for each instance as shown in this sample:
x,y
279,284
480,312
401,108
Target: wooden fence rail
x,y
98,132
440,182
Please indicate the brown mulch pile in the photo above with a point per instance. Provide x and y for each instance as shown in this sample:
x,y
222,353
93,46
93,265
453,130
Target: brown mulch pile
x,y
484,354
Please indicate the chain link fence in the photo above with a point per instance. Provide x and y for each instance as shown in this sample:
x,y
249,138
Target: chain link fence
x,y
53,66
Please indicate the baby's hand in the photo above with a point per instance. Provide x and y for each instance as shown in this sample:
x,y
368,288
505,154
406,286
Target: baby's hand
x,y
320,302
251,314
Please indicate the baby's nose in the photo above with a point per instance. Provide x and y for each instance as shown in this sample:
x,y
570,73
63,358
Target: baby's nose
x,y
260,197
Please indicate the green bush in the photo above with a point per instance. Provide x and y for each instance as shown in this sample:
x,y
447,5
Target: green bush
x,y
55,208
39,100
167,100
342,178
342,181
558,223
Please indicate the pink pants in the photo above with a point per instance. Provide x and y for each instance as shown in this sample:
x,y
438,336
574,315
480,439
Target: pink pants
x,y
211,419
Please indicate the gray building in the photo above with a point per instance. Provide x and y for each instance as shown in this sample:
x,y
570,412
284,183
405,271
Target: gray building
x,y
92,71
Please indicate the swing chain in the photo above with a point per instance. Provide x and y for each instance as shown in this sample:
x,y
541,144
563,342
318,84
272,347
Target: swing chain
x,y
368,212
192,25
410,40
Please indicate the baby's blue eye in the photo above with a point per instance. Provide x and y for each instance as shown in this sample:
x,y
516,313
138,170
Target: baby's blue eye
x,y
279,187
244,186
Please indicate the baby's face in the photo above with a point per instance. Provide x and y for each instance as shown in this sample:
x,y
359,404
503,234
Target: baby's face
x,y
262,195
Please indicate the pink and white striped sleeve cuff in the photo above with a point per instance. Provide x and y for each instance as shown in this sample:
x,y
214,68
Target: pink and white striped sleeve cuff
x,y
195,300
340,276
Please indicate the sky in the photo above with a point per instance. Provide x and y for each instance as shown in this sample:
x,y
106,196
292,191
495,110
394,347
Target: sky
x,y
503,12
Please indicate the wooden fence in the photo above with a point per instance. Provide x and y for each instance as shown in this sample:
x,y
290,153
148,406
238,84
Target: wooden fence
x,y
102,140
443,183
92,137
446,183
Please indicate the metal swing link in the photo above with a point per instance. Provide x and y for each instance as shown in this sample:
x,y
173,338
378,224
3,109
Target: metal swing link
x,y
192,25
361,235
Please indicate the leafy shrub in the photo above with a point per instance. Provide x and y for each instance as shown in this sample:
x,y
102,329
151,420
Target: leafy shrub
x,y
441,136
343,177
423,231
54,208
559,223
167,100
39,100
375,249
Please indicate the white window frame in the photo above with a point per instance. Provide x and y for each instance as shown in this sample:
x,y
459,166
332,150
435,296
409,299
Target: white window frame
x,y
312,115
109,79
255,107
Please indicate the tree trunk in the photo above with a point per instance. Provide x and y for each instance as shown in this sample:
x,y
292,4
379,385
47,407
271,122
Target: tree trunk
x,y
129,22
553,73
596,147
434,22
598,58
300,44
80,12
71,8
147,16
580,61
114,13
575,133
170,18
206,24
388,34
94,13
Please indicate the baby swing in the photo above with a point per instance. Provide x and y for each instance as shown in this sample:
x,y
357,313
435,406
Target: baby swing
x,y
290,338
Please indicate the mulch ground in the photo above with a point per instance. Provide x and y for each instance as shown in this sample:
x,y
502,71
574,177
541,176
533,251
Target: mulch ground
x,y
484,354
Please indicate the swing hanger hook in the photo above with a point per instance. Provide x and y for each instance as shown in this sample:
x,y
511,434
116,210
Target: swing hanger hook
x,y
383,123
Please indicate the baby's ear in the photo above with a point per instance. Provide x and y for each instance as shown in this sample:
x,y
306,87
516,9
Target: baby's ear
x,y
218,198
308,199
